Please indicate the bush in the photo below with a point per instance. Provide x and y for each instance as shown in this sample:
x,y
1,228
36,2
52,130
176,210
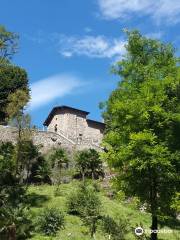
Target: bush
x,y
50,221
86,203
82,200
16,222
115,229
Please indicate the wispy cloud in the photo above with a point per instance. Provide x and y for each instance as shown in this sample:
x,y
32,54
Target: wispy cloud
x,y
90,46
53,87
155,35
38,37
160,10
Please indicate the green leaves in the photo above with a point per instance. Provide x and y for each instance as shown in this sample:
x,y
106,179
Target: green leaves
x,y
8,45
143,123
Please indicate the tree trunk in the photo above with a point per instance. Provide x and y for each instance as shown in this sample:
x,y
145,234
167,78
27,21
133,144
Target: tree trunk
x,y
153,197
154,227
12,232
83,176
92,175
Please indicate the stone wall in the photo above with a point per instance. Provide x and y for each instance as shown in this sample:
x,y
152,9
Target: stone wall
x,y
47,140
76,127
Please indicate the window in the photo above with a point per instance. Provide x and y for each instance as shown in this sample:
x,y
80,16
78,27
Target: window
x,y
55,128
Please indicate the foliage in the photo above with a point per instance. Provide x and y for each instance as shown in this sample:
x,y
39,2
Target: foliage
x,y
8,45
26,154
40,171
115,229
142,117
88,162
14,216
82,162
74,229
50,221
13,79
58,162
86,203
175,205
15,107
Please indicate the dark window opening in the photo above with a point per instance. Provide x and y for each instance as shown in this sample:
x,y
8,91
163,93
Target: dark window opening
x,y
55,128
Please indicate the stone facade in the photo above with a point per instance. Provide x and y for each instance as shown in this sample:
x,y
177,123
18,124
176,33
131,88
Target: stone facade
x,y
73,124
66,127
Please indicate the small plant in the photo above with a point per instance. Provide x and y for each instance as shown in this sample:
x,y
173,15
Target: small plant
x,y
115,230
85,202
50,221
58,192
96,186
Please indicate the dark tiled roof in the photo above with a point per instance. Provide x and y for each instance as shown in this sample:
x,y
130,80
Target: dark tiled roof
x,y
96,122
54,110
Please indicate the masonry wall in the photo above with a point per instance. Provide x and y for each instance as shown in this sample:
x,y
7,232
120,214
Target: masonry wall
x,y
76,127
47,140
69,124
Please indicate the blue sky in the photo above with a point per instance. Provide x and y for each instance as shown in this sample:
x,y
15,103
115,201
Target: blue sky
x,y
68,46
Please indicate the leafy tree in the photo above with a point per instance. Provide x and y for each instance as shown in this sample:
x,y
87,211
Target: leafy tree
x,y
86,203
14,223
94,163
40,171
8,45
12,78
50,221
88,161
59,161
115,229
142,119
82,162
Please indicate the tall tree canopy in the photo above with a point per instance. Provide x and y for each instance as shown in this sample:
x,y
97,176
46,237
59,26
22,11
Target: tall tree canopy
x,y
142,117
12,78
8,45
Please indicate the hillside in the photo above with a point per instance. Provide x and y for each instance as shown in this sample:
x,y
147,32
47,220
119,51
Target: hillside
x,y
43,196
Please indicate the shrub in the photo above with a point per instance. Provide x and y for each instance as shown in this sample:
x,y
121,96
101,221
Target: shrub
x,y
50,221
115,229
84,198
16,222
86,203
88,163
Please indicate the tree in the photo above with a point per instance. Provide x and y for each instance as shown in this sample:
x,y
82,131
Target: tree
x,y
142,119
59,160
81,159
116,230
40,170
94,163
86,203
15,111
88,161
8,45
12,78
14,220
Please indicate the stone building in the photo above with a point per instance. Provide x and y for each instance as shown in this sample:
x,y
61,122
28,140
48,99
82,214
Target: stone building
x,y
74,125
67,127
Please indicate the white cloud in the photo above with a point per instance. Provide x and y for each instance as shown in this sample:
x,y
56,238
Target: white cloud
x,y
50,88
160,10
90,46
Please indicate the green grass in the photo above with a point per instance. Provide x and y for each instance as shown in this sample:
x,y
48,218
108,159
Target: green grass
x,y
41,197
